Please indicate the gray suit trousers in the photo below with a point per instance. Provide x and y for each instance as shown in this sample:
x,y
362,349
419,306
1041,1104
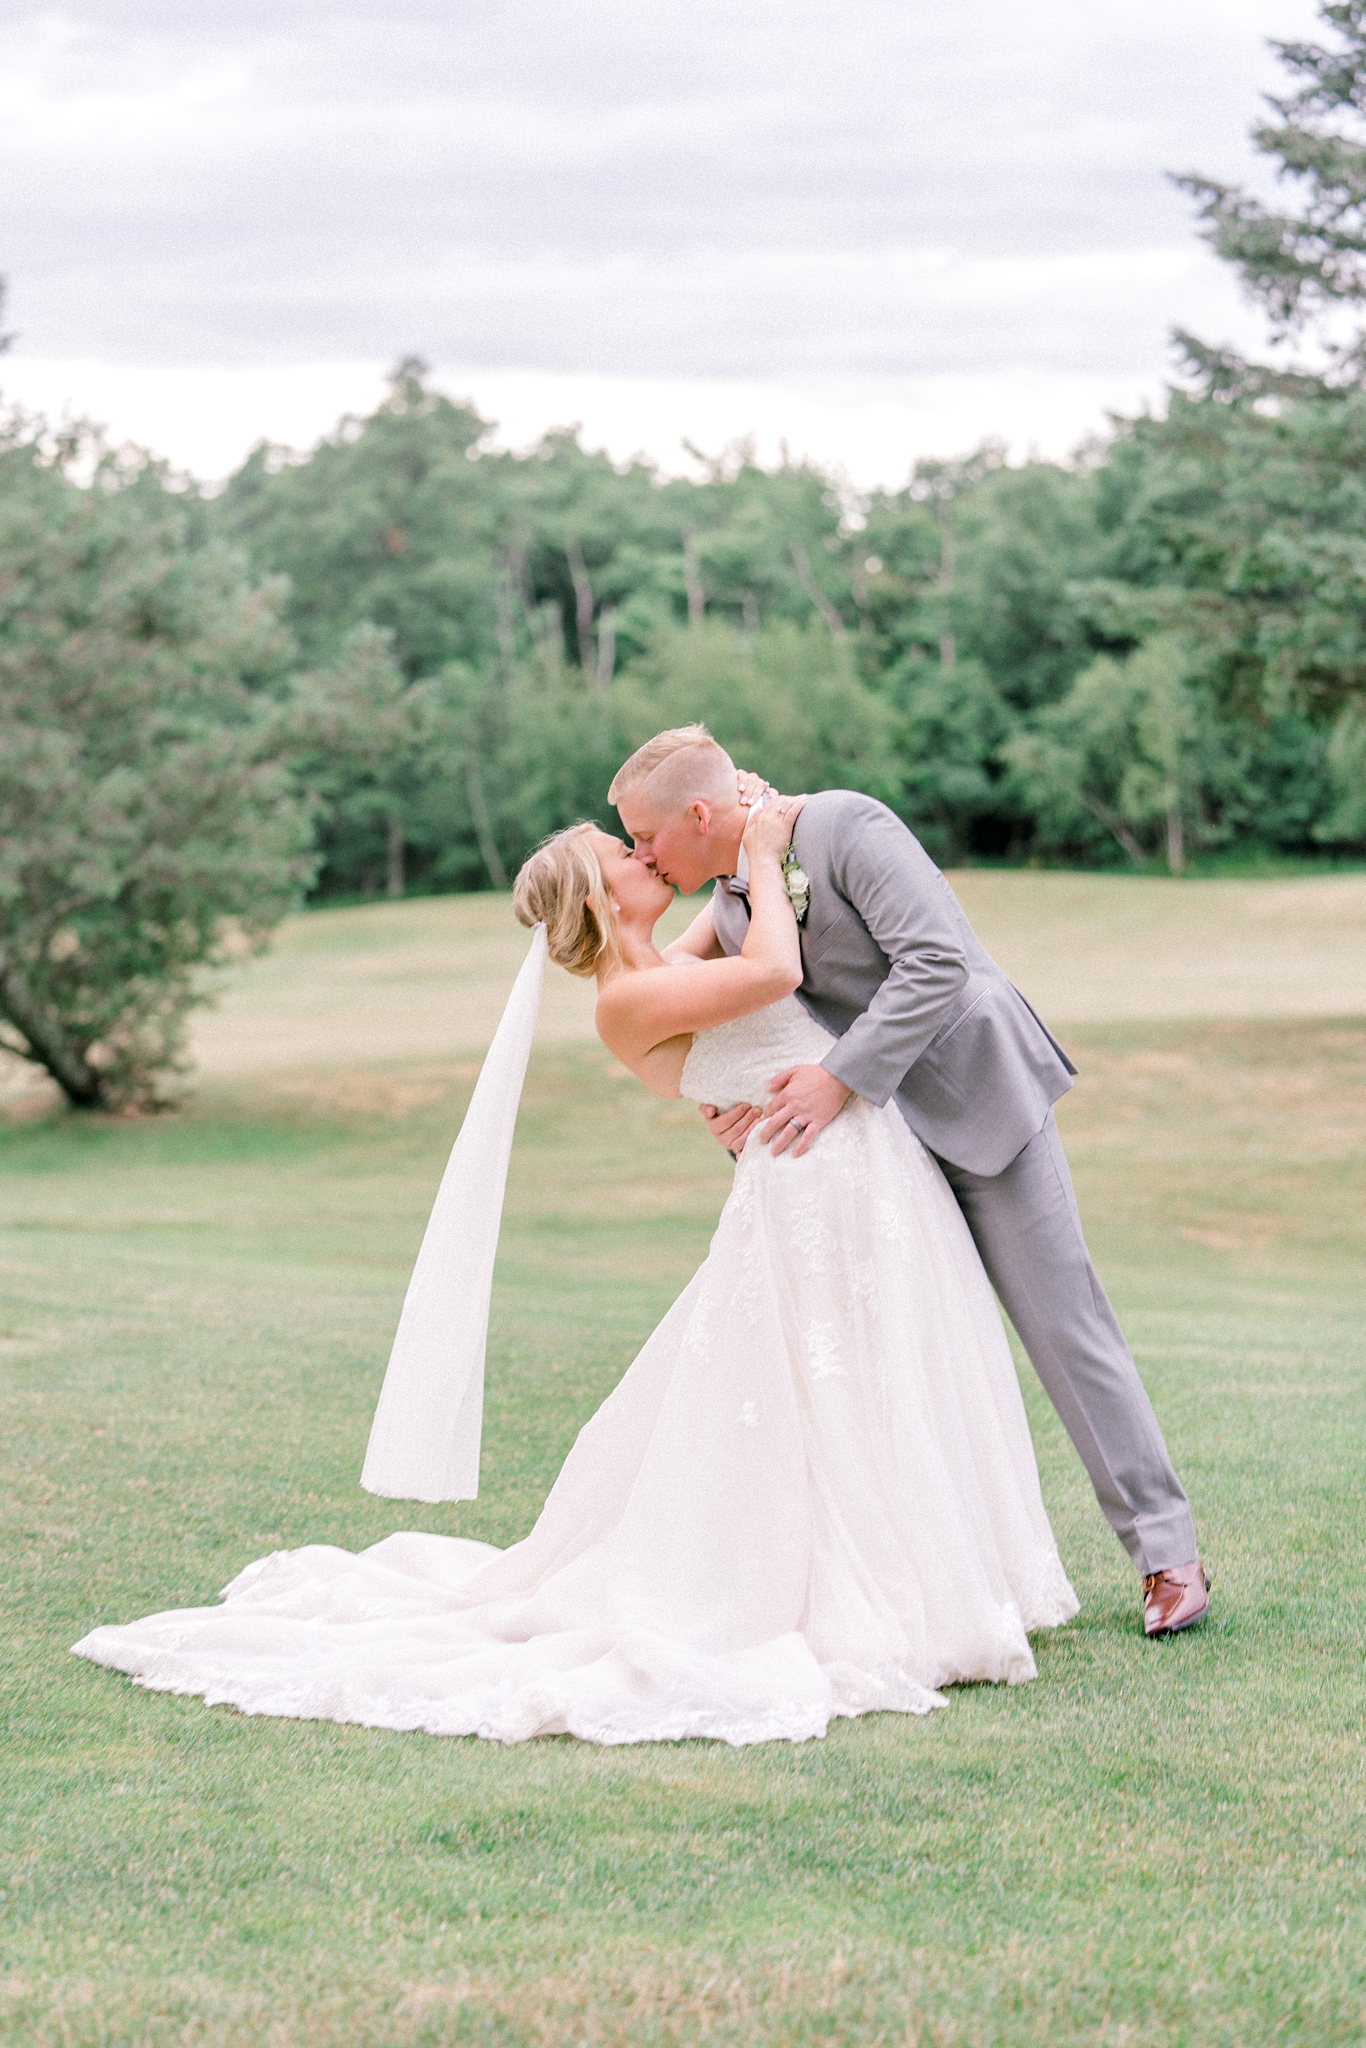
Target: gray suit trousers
x,y
1027,1228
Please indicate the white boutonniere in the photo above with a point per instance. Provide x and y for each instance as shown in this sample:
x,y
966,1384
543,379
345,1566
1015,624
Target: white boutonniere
x,y
797,884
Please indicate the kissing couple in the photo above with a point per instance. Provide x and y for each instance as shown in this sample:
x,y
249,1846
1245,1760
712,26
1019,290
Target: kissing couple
x,y
814,1492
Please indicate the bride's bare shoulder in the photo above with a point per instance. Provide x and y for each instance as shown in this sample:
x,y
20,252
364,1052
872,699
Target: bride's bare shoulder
x,y
620,998
627,1022
625,994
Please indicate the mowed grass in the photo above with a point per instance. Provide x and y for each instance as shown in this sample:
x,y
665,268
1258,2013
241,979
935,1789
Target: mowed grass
x,y
1155,1843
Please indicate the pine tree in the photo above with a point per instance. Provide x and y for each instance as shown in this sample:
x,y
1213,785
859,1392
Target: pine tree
x,y
1304,262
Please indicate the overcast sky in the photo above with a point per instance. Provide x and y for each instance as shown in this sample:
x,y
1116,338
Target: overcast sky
x,y
880,227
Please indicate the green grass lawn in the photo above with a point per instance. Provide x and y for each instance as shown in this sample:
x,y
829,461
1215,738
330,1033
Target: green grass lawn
x,y
1155,1843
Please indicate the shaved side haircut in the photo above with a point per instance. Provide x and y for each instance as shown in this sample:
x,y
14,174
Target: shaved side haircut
x,y
674,769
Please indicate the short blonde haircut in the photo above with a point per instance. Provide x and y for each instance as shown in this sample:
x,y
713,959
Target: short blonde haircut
x,y
562,886
673,767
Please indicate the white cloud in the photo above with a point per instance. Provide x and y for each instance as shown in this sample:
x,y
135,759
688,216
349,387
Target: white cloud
x,y
206,419
777,202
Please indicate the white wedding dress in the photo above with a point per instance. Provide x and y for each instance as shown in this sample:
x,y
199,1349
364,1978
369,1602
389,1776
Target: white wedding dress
x,y
813,1494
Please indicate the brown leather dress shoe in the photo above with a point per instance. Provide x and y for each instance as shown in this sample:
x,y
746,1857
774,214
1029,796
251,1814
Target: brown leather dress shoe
x,y
1175,1599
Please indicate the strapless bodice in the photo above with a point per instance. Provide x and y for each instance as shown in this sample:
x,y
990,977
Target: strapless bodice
x,y
735,1062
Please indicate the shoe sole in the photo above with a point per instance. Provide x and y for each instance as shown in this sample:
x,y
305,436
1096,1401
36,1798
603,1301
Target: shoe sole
x,y
1155,1635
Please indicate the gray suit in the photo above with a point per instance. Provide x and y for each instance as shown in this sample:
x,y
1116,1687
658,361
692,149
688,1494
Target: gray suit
x,y
923,1013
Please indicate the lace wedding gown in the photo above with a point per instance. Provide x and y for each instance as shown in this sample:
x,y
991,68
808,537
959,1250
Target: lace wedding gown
x,y
813,1493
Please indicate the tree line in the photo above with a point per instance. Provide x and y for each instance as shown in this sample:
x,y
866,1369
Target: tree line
x,y
398,662
1153,651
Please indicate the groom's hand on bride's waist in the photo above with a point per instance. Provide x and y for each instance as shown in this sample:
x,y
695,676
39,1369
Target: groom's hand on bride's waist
x,y
731,1127
804,1101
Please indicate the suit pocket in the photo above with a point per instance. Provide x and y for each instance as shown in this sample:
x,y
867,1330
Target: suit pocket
x,y
1046,1032
946,1031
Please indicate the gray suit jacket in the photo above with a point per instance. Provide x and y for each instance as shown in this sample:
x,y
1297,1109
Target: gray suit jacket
x,y
921,1009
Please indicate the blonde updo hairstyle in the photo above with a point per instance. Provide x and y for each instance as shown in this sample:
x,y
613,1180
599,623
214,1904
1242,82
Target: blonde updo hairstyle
x,y
562,886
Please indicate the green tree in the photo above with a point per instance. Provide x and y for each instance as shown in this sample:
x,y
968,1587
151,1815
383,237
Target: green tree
x,y
522,602
785,700
1243,530
146,819
1304,262
362,736
1027,540
1346,763
950,726
392,521
975,615
1238,521
1234,525
1119,757
540,613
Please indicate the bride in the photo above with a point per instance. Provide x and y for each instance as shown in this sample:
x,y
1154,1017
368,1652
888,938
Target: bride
x,y
812,1494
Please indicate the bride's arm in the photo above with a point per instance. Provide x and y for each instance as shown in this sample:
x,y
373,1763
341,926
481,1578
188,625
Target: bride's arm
x,y
638,1013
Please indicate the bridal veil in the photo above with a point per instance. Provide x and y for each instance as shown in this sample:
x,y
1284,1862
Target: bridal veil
x,y
424,1443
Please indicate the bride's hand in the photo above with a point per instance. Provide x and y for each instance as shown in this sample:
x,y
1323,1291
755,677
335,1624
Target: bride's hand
x,y
769,831
752,786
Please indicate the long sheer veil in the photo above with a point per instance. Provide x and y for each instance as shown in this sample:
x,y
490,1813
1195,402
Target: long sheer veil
x,y
424,1443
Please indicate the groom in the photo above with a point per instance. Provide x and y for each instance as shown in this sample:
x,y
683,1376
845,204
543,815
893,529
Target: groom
x,y
923,1013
